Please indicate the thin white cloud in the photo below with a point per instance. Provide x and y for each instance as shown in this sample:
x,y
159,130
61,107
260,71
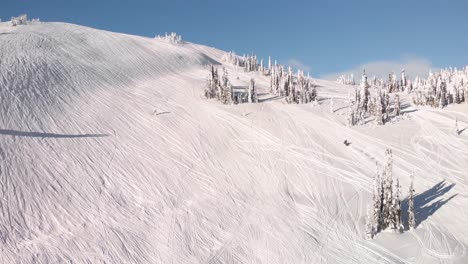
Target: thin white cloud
x,y
298,65
413,67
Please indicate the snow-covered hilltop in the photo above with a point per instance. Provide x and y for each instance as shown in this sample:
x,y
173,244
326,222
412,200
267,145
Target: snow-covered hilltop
x,y
110,153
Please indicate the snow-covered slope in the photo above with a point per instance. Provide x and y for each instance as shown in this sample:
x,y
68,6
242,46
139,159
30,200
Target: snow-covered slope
x,y
110,154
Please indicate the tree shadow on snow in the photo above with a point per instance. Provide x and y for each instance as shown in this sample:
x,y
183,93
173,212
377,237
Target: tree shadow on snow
x,y
339,109
427,203
272,98
404,109
16,133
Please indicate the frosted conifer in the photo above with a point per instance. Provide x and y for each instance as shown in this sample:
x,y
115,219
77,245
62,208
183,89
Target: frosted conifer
x,y
411,215
397,105
377,202
396,225
369,224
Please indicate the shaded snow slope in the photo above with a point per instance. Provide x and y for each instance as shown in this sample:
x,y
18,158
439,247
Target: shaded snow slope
x,y
110,154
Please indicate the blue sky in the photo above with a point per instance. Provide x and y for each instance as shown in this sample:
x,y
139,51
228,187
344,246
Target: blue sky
x,y
325,37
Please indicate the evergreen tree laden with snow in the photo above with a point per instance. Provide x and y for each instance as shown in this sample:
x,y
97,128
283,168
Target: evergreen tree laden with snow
x,y
226,88
212,84
252,92
386,113
388,212
228,94
378,112
404,80
397,105
456,96
369,224
411,213
364,92
396,220
377,199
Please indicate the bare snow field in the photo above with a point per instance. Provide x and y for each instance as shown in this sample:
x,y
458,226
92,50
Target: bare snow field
x,y
109,153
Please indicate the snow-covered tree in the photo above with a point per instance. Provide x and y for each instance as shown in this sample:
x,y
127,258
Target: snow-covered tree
x,y
252,92
404,81
386,109
228,93
456,95
226,89
379,119
388,212
364,92
269,64
272,81
377,200
396,220
369,224
397,105
313,92
442,101
411,213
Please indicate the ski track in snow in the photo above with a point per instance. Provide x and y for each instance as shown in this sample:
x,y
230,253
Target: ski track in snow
x,y
175,178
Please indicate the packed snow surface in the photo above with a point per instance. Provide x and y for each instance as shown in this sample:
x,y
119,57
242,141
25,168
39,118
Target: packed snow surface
x,y
109,153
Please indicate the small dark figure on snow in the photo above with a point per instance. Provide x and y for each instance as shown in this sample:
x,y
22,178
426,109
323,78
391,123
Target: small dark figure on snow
x,y
346,142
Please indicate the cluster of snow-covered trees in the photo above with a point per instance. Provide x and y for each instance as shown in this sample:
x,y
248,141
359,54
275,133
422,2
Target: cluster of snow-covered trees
x,y
296,88
232,58
222,89
448,86
22,20
346,79
392,84
171,37
247,62
19,20
386,211
219,88
372,100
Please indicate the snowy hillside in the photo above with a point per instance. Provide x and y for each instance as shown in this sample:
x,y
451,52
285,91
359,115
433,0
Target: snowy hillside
x,y
109,153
